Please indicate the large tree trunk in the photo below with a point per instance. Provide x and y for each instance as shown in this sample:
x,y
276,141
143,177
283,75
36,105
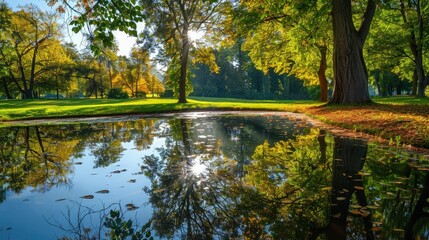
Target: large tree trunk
x,y
28,94
183,65
6,88
323,82
350,73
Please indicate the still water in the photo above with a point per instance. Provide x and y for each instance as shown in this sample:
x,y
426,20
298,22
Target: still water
x,y
208,176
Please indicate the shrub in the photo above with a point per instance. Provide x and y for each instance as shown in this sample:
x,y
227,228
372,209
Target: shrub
x,y
117,94
167,94
141,94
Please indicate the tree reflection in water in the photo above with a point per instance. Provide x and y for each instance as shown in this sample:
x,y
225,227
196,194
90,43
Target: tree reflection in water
x,y
28,157
349,159
308,187
187,195
238,178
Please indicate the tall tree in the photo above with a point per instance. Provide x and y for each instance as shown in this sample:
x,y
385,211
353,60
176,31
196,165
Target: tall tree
x,y
417,35
5,15
173,22
58,71
297,36
387,50
130,75
350,72
32,33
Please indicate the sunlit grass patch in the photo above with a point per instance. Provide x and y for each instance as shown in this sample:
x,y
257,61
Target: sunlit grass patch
x,y
402,100
33,109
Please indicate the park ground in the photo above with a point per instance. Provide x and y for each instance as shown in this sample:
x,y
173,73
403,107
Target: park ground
x,y
399,119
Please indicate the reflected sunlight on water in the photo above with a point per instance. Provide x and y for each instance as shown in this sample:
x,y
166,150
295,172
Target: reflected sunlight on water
x,y
226,176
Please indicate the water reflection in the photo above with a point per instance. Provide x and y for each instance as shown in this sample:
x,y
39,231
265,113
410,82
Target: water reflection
x,y
188,194
223,177
29,158
347,179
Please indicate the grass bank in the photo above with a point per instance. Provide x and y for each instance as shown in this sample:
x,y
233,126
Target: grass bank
x,y
12,110
403,118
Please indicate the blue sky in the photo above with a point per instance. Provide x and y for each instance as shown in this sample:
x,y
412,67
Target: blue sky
x,y
15,3
125,42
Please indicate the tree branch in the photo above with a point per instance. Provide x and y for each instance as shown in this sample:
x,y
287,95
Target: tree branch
x,y
367,18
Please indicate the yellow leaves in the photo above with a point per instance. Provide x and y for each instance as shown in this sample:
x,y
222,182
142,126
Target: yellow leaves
x,y
326,189
206,56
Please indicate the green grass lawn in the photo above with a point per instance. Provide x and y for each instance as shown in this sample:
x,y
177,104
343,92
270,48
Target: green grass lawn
x,y
36,109
402,100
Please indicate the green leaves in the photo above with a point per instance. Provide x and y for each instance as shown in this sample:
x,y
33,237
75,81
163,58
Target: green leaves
x,y
120,229
106,16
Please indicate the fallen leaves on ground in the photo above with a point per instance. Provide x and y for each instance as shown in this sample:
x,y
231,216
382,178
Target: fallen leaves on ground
x,y
410,122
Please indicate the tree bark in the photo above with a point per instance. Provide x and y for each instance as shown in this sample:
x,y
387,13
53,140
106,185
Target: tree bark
x,y
415,83
323,82
350,73
183,65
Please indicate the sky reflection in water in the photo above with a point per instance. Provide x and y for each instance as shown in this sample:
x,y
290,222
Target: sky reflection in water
x,y
260,176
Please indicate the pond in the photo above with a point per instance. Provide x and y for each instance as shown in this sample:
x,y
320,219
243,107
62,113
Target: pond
x,y
208,176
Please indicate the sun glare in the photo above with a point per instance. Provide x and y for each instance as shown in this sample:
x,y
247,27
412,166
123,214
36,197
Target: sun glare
x,y
195,35
198,168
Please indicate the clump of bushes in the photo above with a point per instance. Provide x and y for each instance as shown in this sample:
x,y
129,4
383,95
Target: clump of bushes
x,y
117,93
167,94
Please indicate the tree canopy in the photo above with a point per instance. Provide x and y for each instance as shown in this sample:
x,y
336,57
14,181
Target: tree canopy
x,y
258,48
